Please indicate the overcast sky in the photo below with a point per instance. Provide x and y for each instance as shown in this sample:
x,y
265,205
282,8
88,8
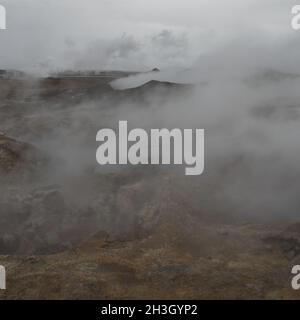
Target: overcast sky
x,y
142,34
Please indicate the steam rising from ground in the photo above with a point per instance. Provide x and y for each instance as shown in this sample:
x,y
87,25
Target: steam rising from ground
x,y
252,128
251,168
244,92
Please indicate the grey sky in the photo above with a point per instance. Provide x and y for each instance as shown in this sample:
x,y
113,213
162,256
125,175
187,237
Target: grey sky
x,y
139,34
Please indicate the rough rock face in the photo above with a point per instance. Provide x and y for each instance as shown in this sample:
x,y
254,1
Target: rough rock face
x,y
288,241
44,221
18,156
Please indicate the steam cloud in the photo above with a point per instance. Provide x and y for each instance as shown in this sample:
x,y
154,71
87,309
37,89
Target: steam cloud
x,y
243,70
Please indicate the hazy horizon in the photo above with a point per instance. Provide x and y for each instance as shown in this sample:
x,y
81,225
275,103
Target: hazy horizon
x,y
138,35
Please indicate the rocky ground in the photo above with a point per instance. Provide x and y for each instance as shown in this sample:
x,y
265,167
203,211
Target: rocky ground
x,y
70,231
212,262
